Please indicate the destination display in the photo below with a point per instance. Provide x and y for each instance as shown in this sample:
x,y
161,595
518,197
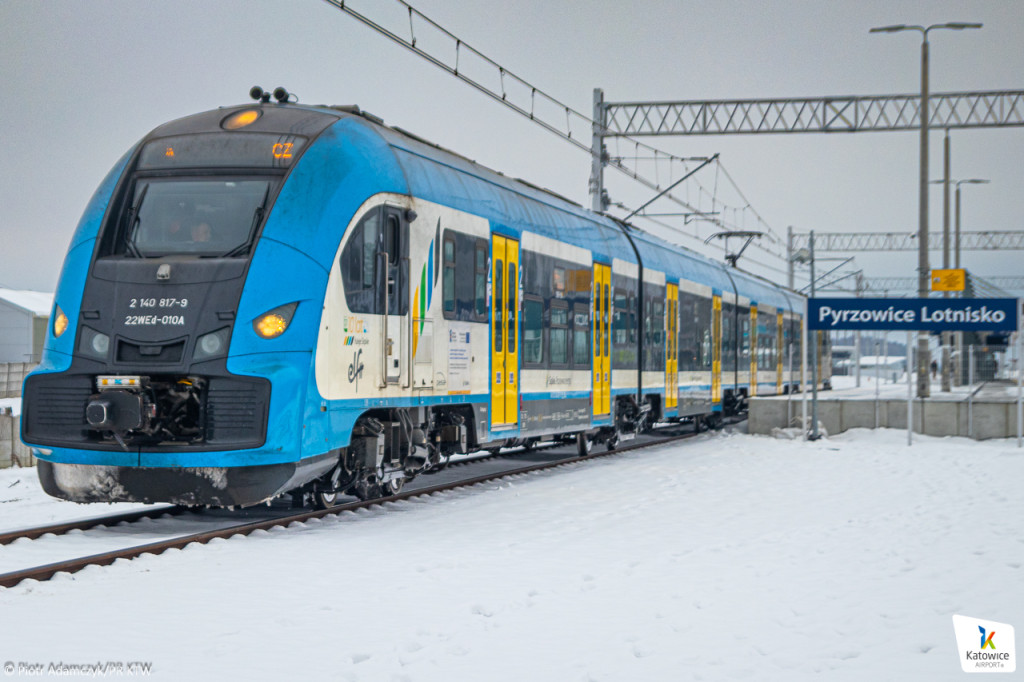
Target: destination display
x,y
241,150
913,314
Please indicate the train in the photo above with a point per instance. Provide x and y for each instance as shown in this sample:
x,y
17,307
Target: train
x,y
274,298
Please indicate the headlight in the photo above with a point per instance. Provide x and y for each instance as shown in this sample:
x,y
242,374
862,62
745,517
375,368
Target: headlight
x,y
272,324
211,345
94,343
60,322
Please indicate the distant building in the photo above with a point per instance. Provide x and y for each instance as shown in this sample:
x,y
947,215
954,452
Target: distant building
x,y
24,316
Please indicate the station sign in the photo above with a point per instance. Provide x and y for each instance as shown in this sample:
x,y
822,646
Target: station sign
x,y
913,314
949,280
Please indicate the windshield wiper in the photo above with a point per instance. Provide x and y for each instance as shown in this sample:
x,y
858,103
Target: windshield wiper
x,y
133,222
257,216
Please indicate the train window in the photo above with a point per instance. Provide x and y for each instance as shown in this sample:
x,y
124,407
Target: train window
x,y
558,337
369,251
498,309
480,280
393,245
533,331
606,337
632,318
728,337
620,322
513,306
581,337
597,319
448,279
359,265
212,217
658,334
689,329
558,281
744,315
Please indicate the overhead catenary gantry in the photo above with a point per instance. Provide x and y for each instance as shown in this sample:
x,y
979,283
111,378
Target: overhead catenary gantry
x,y
905,241
993,109
839,114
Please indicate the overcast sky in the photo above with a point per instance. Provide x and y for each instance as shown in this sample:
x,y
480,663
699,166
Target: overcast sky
x,y
83,81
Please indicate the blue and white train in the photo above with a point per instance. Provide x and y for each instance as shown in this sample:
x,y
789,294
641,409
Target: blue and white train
x,y
273,298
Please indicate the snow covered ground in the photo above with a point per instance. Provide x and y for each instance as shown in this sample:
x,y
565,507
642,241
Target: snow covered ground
x,y
725,557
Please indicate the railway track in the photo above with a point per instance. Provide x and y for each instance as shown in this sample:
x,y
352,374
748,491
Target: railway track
x,y
47,571
109,521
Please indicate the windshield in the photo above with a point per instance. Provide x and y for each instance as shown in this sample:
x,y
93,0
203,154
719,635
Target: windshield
x,y
211,217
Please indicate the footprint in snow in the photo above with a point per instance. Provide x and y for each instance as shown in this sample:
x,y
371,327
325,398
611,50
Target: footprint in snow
x,y
359,658
482,611
642,651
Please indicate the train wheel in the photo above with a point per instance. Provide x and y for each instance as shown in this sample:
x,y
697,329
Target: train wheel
x,y
583,444
392,487
324,500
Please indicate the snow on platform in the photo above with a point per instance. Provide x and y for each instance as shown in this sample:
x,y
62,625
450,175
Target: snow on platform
x,y
725,557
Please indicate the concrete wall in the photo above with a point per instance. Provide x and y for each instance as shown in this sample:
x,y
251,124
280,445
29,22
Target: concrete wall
x,y
12,375
981,421
12,450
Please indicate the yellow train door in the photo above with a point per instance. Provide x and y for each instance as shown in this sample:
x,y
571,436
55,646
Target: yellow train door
x,y
753,350
672,359
716,349
602,366
504,332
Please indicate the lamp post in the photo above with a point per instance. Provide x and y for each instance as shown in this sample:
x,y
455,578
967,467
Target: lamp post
x,y
923,274
970,181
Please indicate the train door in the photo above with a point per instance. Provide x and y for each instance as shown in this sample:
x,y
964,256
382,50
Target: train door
x,y
716,349
394,255
672,359
504,332
753,350
602,339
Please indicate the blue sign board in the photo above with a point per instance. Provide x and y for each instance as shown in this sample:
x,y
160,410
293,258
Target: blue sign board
x,y
913,314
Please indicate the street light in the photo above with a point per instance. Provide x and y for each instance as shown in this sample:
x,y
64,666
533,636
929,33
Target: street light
x,y
956,239
971,181
923,274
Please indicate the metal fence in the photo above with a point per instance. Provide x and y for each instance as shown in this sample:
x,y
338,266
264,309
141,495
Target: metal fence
x,y
12,375
12,451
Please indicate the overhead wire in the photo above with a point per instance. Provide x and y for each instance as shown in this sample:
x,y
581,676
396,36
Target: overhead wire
x,y
571,115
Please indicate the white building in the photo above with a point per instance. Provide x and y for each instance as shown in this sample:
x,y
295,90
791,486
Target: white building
x,y
24,316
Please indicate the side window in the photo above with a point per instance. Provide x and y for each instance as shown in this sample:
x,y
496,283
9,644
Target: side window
x,y
499,317
607,336
480,281
513,306
581,337
658,333
393,245
689,329
359,265
559,334
533,331
558,282
632,318
744,338
448,278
